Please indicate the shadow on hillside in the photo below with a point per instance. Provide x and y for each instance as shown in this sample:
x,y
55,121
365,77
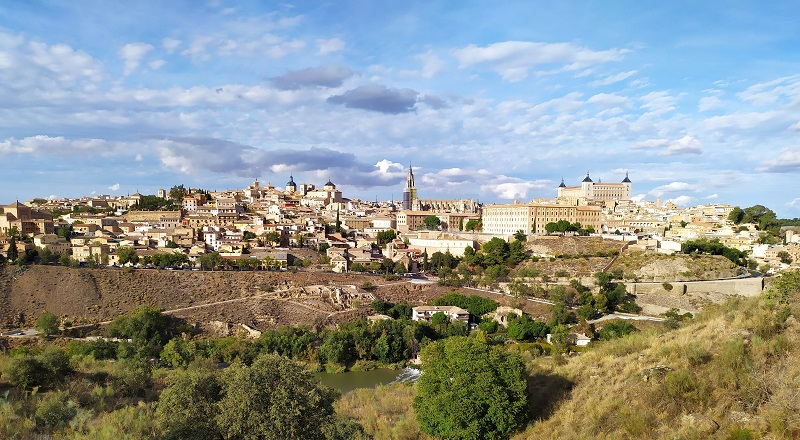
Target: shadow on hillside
x,y
545,392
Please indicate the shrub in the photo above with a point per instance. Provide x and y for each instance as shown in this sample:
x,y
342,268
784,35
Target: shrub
x,y
47,323
28,372
132,378
682,387
667,286
53,410
616,328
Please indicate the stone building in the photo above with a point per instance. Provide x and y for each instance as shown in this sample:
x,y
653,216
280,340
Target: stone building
x,y
532,218
589,191
26,220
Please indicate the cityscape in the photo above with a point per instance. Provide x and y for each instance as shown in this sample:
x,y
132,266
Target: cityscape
x,y
352,221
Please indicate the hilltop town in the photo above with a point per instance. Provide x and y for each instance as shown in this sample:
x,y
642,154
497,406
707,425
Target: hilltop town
x,y
303,225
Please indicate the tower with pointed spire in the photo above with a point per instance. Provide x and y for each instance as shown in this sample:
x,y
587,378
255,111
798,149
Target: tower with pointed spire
x,y
410,191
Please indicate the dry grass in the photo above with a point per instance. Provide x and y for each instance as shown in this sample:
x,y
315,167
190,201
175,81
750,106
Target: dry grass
x,y
385,412
734,368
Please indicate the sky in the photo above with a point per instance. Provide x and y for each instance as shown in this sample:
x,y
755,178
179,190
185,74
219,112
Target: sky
x,y
497,101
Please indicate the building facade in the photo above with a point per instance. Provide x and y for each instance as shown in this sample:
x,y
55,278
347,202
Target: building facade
x,y
589,190
532,218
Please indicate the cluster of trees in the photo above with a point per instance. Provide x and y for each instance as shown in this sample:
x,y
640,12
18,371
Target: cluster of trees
x,y
155,203
763,217
382,342
386,236
491,263
714,247
386,266
81,209
396,311
477,306
272,397
612,296
564,226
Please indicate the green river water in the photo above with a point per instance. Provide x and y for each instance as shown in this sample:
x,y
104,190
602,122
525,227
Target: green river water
x,y
351,380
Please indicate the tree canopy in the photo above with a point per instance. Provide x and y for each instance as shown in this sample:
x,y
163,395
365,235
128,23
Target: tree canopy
x,y
470,391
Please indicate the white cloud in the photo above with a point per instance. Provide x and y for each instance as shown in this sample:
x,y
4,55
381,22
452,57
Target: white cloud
x,y
498,185
114,188
431,64
611,79
658,103
170,44
132,54
785,162
686,145
608,100
514,59
681,200
60,146
156,64
672,187
329,46
712,196
795,203
707,103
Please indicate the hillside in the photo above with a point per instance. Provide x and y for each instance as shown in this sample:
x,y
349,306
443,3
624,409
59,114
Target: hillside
x,y
93,295
730,373
657,267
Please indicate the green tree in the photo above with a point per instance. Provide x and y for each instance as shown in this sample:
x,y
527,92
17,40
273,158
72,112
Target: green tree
x,y
47,323
177,192
470,391
146,326
273,399
386,236
473,225
432,222
210,261
495,252
273,237
785,257
520,235
127,254
187,408
616,328
736,215
12,253
524,328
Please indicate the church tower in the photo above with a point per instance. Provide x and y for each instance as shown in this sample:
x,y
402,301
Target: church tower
x,y
410,191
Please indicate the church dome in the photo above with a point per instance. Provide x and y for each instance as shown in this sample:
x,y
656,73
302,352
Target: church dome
x,y
291,182
330,184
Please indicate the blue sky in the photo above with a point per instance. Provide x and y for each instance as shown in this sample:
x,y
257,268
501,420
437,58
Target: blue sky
x,y
700,101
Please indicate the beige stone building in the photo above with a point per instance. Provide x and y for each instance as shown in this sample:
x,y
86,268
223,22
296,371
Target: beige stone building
x,y
590,190
26,220
451,221
532,218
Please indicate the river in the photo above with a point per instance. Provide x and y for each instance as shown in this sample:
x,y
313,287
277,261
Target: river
x,y
351,380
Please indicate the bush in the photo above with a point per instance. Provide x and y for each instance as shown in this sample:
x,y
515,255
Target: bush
x,y
616,328
47,323
667,286
28,372
132,378
53,410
